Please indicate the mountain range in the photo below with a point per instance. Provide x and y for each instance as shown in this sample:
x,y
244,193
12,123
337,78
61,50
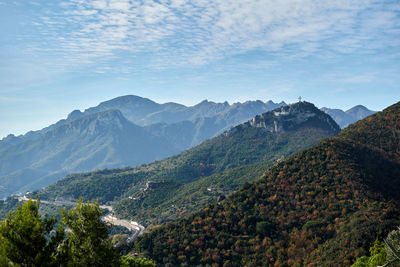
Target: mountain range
x,y
323,206
100,140
125,131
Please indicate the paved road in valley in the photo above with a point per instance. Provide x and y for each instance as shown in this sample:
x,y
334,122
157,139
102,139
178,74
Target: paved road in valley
x,y
132,226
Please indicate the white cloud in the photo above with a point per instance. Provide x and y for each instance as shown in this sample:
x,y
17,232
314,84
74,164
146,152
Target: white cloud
x,y
197,32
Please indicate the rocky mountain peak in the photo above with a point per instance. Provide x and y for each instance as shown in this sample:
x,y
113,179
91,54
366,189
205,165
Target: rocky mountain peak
x,y
97,123
109,117
133,107
359,112
206,103
357,107
74,115
291,117
128,99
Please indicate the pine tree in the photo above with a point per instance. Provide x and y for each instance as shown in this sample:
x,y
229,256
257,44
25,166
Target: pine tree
x,y
87,243
24,237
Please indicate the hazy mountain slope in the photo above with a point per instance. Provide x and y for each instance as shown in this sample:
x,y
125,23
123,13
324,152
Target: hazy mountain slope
x,y
141,111
98,141
185,126
11,139
267,137
191,132
201,110
321,207
345,118
359,112
135,108
339,116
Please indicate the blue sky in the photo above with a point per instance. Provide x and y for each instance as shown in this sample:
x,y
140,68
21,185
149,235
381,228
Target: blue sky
x,y
57,56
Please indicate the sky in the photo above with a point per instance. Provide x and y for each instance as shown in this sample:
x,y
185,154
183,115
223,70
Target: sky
x,y
61,55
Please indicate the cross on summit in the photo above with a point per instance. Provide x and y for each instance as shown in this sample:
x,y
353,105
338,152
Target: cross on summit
x,y
299,98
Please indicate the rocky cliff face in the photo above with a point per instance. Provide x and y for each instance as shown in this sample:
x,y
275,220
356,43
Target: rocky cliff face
x,y
291,117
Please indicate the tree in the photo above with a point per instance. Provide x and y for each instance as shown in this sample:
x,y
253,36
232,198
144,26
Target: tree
x,y
385,253
87,243
378,256
392,246
23,237
80,239
128,261
264,228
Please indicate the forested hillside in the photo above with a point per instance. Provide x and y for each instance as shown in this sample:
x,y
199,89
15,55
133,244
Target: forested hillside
x,y
170,201
266,138
321,207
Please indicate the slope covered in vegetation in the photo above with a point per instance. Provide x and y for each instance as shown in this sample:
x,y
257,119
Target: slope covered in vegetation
x,y
171,201
321,207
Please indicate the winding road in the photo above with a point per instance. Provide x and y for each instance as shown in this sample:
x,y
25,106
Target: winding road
x,y
136,228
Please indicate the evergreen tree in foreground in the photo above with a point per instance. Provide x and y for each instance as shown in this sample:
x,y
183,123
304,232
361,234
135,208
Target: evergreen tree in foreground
x,y
386,254
87,243
24,237
80,239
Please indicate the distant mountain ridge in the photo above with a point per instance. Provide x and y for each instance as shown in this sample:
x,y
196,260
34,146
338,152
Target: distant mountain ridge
x,y
345,118
143,111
